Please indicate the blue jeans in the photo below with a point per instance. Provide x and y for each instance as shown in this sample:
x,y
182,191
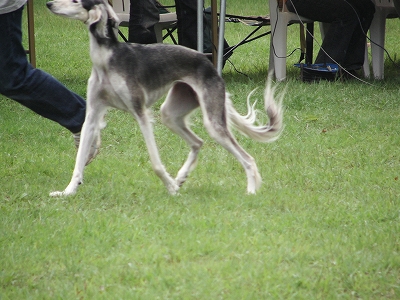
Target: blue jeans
x,y
32,87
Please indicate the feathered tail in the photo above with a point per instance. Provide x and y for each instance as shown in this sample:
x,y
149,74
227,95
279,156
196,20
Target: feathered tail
x,y
245,124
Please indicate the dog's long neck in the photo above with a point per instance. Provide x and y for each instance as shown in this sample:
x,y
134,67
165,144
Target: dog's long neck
x,y
102,40
102,34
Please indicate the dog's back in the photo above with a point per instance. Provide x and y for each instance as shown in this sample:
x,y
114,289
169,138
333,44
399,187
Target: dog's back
x,y
158,66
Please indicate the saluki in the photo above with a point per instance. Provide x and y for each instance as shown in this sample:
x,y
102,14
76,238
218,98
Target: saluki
x,y
132,77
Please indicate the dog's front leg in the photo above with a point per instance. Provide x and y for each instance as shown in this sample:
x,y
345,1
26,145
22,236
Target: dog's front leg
x,y
91,129
87,137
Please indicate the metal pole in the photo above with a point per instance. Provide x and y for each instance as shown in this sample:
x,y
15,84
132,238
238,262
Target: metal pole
x,y
200,34
214,31
222,14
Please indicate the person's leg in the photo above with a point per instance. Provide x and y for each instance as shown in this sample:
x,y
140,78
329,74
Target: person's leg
x,y
143,16
186,11
31,87
356,51
343,21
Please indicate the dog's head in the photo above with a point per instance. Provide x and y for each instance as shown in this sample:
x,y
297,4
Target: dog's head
x,y
97,14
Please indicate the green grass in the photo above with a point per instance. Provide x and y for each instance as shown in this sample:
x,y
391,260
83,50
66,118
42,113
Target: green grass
x,y
324,225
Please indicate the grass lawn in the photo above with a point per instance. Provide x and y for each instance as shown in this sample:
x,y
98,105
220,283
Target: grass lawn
x,y
324,225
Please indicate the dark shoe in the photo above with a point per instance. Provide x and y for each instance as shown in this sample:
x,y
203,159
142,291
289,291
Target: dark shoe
x,y
345,75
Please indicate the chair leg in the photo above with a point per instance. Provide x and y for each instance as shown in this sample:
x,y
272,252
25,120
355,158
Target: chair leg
x,y
377,35
278,48
366,70
309,43
170,35
122,36
271,68
158,30
31,34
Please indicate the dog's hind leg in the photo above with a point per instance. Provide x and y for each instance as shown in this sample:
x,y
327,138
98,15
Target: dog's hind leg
x,y
223,136
147,131
180,102
216,124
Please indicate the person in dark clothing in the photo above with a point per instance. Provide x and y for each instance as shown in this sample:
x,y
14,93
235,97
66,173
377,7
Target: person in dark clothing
x,y
144,15
349,21
34,88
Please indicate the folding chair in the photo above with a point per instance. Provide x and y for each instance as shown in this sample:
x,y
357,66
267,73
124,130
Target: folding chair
x,y
253,21
383,9
280,19
167,20
258,22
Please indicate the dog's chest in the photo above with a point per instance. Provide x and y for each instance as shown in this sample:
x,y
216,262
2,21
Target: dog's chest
x,y
111,88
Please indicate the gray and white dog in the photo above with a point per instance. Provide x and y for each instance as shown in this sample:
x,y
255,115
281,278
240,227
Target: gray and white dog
x,y
132,77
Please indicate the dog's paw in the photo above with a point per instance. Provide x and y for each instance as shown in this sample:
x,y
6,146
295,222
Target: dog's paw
x,y
64,193
180,181
173,188
251,193
69,190
57,194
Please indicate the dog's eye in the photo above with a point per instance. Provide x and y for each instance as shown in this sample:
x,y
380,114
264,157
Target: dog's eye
x,y
74,1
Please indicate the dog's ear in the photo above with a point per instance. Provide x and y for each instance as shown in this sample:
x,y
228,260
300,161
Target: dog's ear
x,y
95,14
103,21
112,16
